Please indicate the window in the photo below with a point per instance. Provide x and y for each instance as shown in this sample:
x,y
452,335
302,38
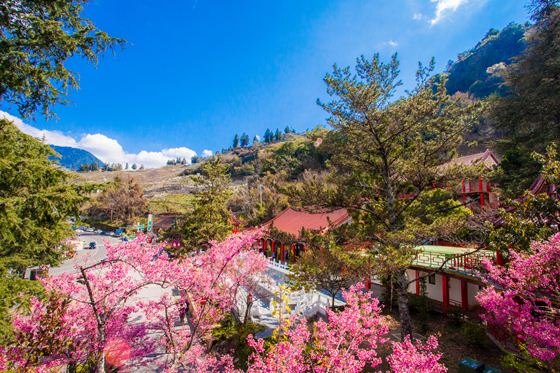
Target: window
x,y
432,278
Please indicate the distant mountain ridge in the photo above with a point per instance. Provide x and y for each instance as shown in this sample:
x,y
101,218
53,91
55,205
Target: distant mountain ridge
x,y
73,158
472,72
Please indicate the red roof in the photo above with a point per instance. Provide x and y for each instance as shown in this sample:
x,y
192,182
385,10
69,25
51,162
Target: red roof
x,y
541,186
292,221
486,158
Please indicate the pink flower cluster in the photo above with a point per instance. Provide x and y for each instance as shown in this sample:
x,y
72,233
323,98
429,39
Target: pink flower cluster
x,y
416,357
347,342
522,299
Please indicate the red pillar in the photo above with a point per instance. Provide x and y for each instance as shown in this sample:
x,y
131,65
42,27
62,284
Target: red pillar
x,y
481,191
282,253
464,295
464,191
499,257
272,248
368,283
417,282
264,246
445,292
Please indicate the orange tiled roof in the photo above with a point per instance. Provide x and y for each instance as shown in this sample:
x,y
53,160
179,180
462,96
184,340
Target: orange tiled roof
x,y
291,221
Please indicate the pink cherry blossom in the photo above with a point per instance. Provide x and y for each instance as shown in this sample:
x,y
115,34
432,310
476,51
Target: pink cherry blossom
x,y
521,300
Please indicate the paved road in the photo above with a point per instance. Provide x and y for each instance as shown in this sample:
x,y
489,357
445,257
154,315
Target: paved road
x,y
85,256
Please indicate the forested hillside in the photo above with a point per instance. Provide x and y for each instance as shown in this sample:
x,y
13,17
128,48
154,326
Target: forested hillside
x,y
74,159
477,71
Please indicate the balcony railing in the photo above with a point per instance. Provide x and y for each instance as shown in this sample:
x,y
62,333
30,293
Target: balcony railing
x,y
464,263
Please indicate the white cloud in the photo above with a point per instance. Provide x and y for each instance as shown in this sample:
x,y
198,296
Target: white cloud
x,y
391,43
443,7
417,16
207,153
105,148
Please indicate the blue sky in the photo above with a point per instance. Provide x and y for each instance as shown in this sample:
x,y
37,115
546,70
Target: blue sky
x,y
194,72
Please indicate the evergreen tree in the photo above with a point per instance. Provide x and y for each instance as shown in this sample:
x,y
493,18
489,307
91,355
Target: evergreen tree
x,y
268,136
37,38
236,141
278,135
244,140
134,167
529,117
210,218
390,149
36,200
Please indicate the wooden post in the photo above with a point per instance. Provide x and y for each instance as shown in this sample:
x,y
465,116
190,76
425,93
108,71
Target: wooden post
x,y
464,295
417,282
445,292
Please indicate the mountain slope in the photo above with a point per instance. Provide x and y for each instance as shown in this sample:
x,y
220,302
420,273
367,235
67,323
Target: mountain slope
x,y
472,72
73,158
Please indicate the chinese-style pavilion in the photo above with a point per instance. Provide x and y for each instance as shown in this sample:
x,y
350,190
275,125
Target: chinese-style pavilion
x,y
291,222
476,193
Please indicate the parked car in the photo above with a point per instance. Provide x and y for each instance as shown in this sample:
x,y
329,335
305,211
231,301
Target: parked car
x,y
92,245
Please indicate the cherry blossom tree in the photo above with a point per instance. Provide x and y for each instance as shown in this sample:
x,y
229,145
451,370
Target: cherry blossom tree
x,y
521,301
104,318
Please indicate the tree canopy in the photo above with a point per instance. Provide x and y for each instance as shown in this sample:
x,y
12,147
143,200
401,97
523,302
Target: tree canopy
x,y
36,200
210,218
37,38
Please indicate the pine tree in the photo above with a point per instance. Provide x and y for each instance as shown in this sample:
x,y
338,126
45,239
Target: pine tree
x,y
236,141
210,218
134,167
268,136
244,141
36,198
38,39
392,148
278,135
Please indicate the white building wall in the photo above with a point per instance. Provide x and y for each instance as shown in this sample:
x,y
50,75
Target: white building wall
x,y
434,291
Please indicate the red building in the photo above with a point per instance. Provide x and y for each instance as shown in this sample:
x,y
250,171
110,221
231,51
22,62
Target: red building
x,y
478,193
290,224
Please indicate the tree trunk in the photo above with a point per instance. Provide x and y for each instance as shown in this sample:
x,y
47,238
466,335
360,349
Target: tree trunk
x,y
402,299
248,310
101,363
334,295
